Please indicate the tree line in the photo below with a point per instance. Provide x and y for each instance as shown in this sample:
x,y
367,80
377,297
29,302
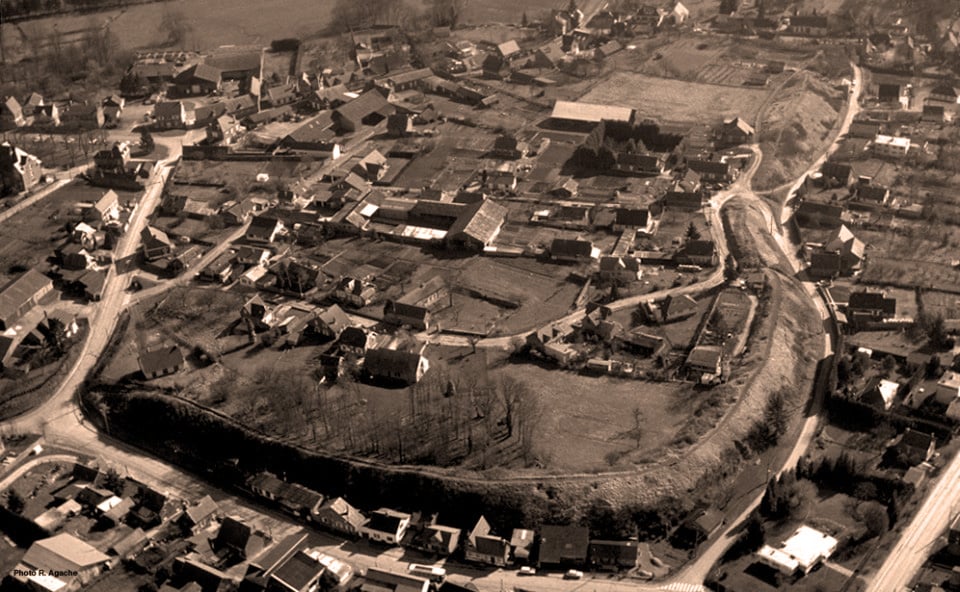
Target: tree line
x,y
32,8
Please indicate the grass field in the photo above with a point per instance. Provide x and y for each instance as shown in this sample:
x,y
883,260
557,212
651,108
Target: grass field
x,y
893,260
588,422
212,22
676,101
942,303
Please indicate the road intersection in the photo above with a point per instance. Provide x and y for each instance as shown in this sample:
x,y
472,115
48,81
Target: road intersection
x,y
61,422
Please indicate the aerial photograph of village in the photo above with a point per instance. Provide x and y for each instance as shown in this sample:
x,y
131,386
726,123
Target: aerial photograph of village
x,y
479,295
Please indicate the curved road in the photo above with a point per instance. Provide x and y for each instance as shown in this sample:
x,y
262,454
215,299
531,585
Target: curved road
x,y
61,423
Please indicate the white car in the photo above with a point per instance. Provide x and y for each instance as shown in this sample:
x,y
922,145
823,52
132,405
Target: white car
x,y
573,574
526,570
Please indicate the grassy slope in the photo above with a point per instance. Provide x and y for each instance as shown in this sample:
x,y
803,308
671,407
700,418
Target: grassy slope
x,y
795,128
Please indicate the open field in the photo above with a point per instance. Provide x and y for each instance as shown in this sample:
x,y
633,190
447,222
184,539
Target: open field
x,y
941,303
588,422
675,101
893,260
212,23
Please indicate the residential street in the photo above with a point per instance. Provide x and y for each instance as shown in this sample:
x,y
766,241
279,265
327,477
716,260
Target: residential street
x,y
60,422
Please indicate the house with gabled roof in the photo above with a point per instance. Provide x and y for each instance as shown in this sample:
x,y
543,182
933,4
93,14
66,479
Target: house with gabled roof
x,y
644,344
813,25
522,541
508,49
160,361
563,546
155,244
11,114
864,129
482,546
587,115
354,292
386,526
613,555
381,580
734,132
837,174
867,305
675,308
880,393
59,563
300,500
712,171
573,250
683,200
415,307
315,133
357,340
82,116
637,218
851,249
619,268
369,109
697,252
409,79
20,295
404,367
128,546
442,540
707,361
199,79
264,229
477,226
238,539
223,129
371,167
199,515
945,93
171,115
508,147
916,447
19,170
103,211
339,516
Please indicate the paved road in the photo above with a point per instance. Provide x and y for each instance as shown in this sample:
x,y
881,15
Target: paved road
x,y
104,318
920,536
851,110
60,421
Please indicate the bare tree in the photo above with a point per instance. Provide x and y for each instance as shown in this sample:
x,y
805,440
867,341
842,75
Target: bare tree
x,y
638,425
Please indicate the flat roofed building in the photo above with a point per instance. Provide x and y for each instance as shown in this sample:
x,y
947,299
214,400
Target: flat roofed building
x,y
884,145
573,112
803,551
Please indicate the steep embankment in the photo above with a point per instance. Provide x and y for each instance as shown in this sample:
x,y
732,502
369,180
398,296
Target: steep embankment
x,y
795,127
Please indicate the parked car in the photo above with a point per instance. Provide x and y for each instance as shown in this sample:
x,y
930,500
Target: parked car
x,y
573,574
526,570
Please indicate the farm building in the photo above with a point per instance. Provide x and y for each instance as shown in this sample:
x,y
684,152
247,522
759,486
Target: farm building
x,y
585,116
20,295
370,108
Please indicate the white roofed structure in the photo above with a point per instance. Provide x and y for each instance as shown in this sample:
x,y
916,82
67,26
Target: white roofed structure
x,y
806,548
590,112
